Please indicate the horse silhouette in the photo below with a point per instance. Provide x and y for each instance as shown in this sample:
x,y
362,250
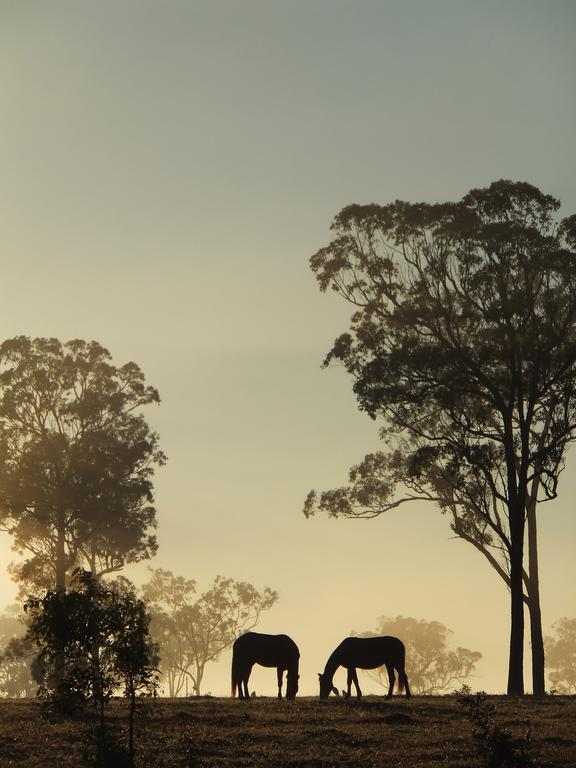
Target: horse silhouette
x,y
278,651
365,653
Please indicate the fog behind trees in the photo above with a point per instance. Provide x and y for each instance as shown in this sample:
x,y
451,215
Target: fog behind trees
x,y
167,208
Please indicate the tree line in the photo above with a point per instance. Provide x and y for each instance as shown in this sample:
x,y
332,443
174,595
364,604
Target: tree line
x,y
435,666
77,462
462,345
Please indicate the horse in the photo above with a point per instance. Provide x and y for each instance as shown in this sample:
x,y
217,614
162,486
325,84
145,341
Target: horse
x,y
278,651
365,653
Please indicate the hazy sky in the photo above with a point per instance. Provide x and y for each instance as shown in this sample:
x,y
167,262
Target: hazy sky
x,y
167,169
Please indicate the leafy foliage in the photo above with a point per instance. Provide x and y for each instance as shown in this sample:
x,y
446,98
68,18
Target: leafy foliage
x,y
432,668
191,631
103,632
561,656
76,460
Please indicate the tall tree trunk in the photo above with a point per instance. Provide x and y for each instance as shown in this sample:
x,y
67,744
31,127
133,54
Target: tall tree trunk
x,y
61,554
517,498
59,661
516,658
536,637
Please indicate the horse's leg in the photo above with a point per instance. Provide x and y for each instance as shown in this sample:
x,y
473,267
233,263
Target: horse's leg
x,y
391,678
245,679
241,683
355,679
404,677
349,678
280,672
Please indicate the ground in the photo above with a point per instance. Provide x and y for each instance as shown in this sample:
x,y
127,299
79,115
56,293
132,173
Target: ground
x,y
424,732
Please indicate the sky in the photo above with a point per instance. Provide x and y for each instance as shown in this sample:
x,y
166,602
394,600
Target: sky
x,y
168,169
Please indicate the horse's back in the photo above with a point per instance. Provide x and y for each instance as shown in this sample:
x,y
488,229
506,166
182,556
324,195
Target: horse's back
x,y
267,650
286,642
371,652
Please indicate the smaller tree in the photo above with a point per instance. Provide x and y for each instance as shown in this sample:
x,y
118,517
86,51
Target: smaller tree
x,y
103,630
193,632
561,656
136,658
432,667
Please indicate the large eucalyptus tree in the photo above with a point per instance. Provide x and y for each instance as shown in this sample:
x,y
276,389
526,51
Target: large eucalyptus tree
x,y
463,344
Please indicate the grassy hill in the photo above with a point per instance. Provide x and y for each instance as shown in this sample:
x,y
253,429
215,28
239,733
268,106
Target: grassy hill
x,y
424,732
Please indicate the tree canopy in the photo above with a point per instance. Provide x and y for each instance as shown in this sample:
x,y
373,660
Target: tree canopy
x,y
77,459
463,343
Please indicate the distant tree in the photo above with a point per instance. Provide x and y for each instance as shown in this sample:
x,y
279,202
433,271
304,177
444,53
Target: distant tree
x,y
432,667
561,656
76,460
170,598
16,655
193,631
463,341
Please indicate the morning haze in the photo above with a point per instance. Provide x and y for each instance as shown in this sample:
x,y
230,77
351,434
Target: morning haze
x,y
168,170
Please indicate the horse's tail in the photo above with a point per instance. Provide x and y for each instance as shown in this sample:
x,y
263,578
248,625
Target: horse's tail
x,y
403,684
401,676
402,679
235,672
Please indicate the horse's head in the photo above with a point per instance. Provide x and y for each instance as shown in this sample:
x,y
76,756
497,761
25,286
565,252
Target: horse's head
x,y
292,686
326,687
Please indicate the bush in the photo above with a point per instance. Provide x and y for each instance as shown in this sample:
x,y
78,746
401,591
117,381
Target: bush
x,y
93,642
497,746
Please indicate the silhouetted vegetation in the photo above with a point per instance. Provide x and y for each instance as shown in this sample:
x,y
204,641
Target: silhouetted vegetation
x,y
193,631
463,344
433,667
561,657
105,748
497,745
102,631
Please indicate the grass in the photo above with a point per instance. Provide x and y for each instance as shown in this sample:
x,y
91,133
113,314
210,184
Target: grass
x,y
424,732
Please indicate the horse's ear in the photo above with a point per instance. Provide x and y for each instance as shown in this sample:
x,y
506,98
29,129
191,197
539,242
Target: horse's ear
x,y
320,675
